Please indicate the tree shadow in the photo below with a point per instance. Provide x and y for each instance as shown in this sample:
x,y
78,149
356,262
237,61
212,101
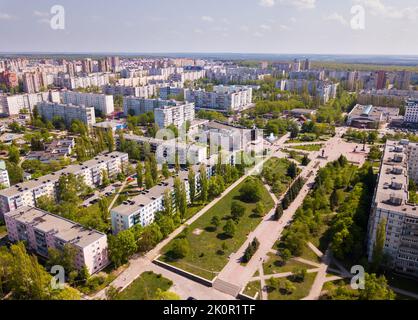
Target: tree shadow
x,y
210,229
223,236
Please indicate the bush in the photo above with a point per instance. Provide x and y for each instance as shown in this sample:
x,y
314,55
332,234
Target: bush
x,y
251,191
251,250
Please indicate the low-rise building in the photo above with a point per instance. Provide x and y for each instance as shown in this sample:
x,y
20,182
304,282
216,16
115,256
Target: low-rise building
x,y
54,151
371,117
42,231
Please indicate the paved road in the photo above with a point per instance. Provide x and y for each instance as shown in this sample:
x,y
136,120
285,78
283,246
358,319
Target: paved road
x,y
269,230
139,263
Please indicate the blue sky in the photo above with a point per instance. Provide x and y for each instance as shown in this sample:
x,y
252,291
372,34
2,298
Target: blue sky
x,y
248,26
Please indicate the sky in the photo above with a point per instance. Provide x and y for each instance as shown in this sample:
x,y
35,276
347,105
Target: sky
x,y
227,26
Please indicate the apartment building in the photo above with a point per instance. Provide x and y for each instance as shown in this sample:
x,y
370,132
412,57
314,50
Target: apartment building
x,y
411,113
136,106
64,80
167,93
4,175
100,102
223,98
68,112
325,91
176,115
146,92
142,208
13,105
41,231
391,205
9,79
27,193
165,150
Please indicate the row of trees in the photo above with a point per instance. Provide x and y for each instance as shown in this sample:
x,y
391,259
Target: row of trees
x,y
292,193
251,250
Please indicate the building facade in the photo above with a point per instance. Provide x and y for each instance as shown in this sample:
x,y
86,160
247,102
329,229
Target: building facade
x,y
42,231
101,102
411,113
68,112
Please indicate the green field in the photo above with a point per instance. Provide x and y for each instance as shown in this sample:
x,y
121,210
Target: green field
x,y
302,289
145,287
309,147
209,247
252,288
275,265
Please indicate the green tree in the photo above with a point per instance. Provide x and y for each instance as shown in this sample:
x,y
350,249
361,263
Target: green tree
x,y
192,184
203,184
121,247
260,209
376,288
180,248
140,175
230,229
165,171
14,155
251,191
237,210
379,245
215,222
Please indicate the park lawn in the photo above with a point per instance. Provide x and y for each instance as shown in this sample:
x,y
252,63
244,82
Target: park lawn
x,y
308,254
253,288
145,287
207,257
309,147
274,265
302,289
193,209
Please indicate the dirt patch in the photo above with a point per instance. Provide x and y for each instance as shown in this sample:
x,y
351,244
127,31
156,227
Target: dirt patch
x,y
197,232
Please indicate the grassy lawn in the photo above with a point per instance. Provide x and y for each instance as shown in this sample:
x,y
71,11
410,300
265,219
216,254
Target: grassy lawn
x,y
275,265
145,287
308,138
302,289
209,247
3,231
275,174
252,288
193,209
310,147
307,253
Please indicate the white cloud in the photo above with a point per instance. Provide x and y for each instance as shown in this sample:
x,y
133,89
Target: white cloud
x,y
258,34
6,16
300,4
267,3
265,27
244,28
293,20
284,27
207,19
198,30
336,17
226,21
379,8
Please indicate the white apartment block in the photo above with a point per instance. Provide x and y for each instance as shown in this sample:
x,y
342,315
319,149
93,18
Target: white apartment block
x,y
136,106
13,105
167,93
165,150
411,113
146,92
101,102
68,112
188,76
142,208
72,83
41,231
391,203
223,98
174,115
27,193
4,175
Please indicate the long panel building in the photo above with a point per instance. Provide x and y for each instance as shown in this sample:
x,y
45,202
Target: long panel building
x,y
27,193
41,231
391,206
100,102
68,112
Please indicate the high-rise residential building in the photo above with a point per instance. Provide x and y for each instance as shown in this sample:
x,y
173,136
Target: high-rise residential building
x,y
167,93
67,112
41,231
411,112
102,103
176,115
32,82
223,98
27,193
9,79
296,65
104,65
136,106
115,64
381,80
4,175
392,211
307,65
403,80
71,69
87,66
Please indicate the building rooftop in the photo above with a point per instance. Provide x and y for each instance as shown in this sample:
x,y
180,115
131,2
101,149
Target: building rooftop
x,y
63,229
72,169
393,182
